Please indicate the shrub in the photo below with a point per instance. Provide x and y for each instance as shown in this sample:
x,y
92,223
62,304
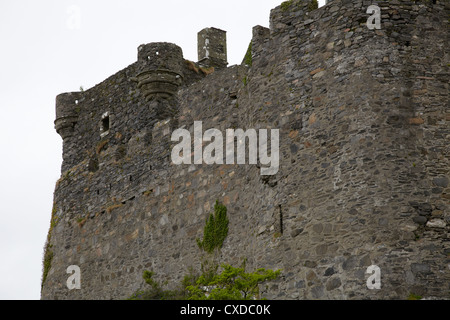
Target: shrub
x,y
215,230
231,284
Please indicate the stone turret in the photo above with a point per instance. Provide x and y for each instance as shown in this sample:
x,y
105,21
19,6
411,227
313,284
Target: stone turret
x,y
160,70
212,48
66,113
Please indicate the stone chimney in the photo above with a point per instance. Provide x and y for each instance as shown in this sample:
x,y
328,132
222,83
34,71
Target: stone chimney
x,y
212,48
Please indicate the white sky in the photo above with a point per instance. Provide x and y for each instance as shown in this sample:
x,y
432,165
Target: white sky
x,y
44,51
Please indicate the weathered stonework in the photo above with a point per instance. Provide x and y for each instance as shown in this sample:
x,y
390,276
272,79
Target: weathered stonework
x,y
212,48
364,160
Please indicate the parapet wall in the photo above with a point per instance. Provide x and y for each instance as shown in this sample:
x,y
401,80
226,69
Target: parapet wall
x,y
364,166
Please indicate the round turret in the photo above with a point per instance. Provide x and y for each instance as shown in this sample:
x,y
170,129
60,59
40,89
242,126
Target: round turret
x,y
160,70
66,113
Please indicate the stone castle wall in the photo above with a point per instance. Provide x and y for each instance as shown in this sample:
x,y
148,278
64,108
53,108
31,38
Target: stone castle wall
x,y
364,167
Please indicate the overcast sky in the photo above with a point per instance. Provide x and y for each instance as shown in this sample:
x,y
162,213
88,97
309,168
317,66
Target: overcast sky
x,y
50,47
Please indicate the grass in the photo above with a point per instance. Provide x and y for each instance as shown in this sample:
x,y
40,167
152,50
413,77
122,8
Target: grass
x,y
48,253
312,5
248,55
207,71
286,5
191,66
413,296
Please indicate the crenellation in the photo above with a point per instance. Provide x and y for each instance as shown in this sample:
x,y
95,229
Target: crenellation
x,y
261,36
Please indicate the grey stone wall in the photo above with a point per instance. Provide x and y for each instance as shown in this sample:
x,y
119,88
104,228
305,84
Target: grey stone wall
x,y
364,167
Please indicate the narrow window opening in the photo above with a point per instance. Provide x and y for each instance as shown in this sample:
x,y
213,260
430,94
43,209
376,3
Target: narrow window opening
x,y
105,124
281,219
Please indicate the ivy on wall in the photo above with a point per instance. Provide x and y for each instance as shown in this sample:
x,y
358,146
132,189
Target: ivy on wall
x,y
215,230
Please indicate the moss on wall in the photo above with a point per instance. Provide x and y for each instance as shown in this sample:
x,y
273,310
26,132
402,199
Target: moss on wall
x,y
48,253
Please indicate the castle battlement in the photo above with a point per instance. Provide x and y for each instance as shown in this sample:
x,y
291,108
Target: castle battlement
x,y
364,161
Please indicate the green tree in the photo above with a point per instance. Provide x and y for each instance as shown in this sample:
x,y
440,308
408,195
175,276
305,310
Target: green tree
x,y
231,284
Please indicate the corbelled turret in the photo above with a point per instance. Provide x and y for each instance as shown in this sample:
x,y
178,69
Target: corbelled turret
x,y
66,113
160,69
